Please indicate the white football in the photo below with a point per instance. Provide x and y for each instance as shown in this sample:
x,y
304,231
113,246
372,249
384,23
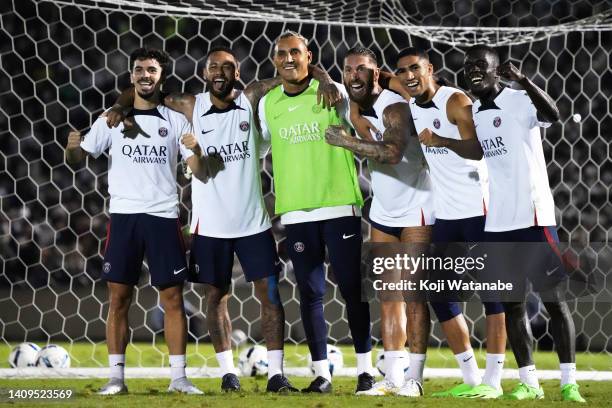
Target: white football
x,y
238,338
253,361
335,358
23,355
53,356
380,363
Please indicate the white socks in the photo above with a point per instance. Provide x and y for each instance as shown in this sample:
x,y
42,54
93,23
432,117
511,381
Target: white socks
x,y
177,366
364,363
395,361
321,369
568,373
529,376
116,362
417,365
226,362
469,367
493,370
275,362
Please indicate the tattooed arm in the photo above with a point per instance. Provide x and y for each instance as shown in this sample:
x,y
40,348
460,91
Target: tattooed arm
x,y
399,127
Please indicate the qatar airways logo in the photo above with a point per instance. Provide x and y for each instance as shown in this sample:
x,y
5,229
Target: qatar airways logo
x,y
230,152
494,147
436,150
301,133
146,154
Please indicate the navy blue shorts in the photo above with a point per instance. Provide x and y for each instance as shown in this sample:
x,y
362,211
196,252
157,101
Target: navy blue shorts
x,y
212,259
133,236
395,231
541,264
461,230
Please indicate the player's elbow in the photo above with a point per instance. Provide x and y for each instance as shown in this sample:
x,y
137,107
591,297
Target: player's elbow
x,y
551,114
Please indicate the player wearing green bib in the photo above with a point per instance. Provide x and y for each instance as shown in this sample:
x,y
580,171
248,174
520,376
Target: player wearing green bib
x,y
319,200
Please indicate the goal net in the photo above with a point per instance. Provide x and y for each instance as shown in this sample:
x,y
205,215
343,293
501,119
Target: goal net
x,y
63,62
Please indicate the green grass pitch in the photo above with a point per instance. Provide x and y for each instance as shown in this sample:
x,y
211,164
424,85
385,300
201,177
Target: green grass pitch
x,y
151,392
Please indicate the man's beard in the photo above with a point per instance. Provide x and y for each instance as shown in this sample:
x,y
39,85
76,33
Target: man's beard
x,y
366,95
220,94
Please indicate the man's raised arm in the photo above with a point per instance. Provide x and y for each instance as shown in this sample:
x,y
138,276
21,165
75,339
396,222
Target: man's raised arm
x,y
398,127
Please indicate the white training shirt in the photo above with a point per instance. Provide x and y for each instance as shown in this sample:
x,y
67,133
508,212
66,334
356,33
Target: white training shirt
x,y
142,162
316,214
459,184
402,195
230,204
508,130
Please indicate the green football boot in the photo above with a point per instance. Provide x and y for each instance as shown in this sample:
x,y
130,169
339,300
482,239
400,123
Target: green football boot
x,y
482,391
525,392
570,392
453,392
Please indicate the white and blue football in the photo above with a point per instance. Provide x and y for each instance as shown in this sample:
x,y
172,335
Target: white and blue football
x,y
253,361
23,355
53,356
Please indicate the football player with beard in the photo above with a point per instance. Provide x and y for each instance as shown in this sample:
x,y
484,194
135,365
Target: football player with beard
x,y
402,210
228,210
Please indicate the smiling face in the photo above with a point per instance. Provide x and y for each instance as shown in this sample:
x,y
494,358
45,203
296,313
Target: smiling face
x,y
480,70
146,77
360,74
416,74
221,73
291,58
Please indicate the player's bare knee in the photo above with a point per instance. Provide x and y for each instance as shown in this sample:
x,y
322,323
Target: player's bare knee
x,y
215,295
266,291
172,298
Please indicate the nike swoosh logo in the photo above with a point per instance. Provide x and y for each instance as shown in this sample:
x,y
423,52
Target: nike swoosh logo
x,y
292,108
548,273
277,116
470,247
347,236
179,271
207,131
468,359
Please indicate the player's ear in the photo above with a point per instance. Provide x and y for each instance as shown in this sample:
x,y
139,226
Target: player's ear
x,y
376,74
309,53
430,69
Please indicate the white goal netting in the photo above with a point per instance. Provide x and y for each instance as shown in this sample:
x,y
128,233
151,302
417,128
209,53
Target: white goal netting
x,y
62,62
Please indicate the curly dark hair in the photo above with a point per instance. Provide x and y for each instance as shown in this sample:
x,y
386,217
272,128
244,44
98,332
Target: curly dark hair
x,y
160,56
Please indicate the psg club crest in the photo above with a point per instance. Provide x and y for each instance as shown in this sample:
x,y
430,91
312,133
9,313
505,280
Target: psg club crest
x,y
497,121
244,126
436,123
316,108
106,267
163,132
378,135
298,246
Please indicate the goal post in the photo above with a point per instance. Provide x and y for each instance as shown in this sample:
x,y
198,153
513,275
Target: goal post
x,y
63,62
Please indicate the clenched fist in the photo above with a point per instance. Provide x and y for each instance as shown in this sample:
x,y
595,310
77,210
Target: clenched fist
x,y
510,72
74,140
429,138
190,142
